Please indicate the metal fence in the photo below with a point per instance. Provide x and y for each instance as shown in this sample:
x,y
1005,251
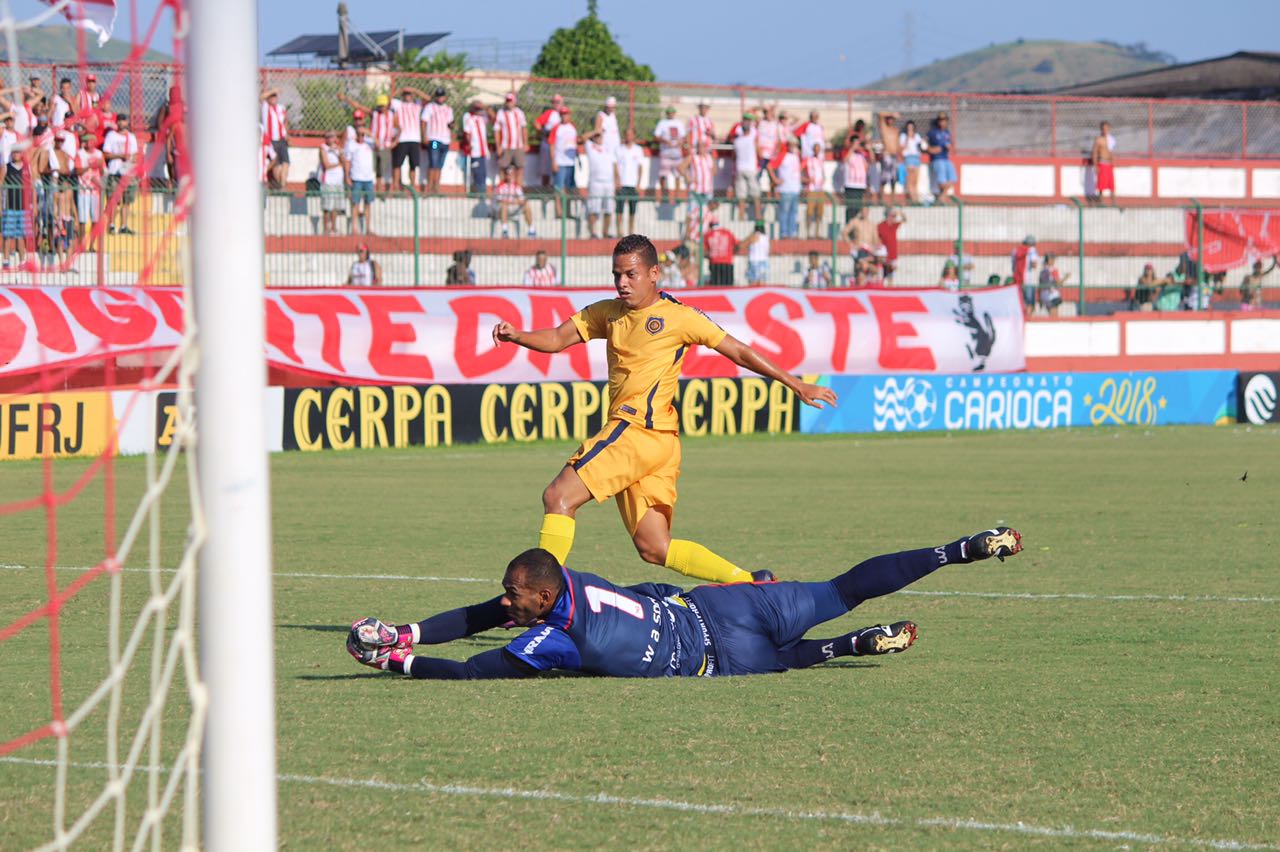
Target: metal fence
x,y
1100,252
997,125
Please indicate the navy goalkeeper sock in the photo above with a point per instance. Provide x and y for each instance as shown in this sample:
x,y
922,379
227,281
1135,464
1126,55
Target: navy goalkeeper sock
x,y
883,575
810,652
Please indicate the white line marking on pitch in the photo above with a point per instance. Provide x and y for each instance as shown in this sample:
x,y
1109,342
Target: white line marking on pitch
x,y
729,809
1014,596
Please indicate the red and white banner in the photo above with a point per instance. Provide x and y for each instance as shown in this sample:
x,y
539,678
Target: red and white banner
x,y
1233,238
415,336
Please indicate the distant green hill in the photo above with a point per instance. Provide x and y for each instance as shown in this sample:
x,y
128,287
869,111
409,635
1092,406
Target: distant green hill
x,y
58,44
1025,66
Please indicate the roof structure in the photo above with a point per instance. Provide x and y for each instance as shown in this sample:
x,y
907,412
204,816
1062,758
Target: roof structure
x,y
364,47
1246,76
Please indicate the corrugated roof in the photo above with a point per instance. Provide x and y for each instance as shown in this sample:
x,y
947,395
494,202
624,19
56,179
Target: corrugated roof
x,y
1246,75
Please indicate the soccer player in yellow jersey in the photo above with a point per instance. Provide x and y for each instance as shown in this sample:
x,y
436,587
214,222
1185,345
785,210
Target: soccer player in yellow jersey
x,y
635,458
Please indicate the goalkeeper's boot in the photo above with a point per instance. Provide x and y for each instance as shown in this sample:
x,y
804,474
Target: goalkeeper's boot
x,y
884,638
764,575
1000,542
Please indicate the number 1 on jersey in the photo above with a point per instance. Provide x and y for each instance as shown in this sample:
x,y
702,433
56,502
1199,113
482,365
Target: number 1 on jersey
x,y
598,598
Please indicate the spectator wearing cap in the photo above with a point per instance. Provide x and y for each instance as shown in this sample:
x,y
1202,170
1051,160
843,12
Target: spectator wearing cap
x,y
509,195
365,271
785,175
120,149
1026,260
406,117
701,127
542,273
359,154
475,139
275,127
669,134
88,96
631,159
437,121
382,133
941,169
510,137
546,123
563,142
746,164
607,124
811,135
352,130
90,168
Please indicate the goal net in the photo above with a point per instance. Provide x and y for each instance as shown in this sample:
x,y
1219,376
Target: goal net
x,y
103,515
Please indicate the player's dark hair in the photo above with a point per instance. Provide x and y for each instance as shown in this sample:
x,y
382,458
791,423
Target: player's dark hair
x,y
638,244
540,569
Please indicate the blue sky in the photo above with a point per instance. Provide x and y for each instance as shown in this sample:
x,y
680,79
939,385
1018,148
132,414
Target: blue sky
x,y
822,43
802,44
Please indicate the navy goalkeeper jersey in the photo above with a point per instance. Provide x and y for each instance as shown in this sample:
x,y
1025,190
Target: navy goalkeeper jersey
x,y
634,631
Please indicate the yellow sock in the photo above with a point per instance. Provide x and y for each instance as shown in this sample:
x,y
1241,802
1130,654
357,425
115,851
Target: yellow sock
x,y
556,535
694,560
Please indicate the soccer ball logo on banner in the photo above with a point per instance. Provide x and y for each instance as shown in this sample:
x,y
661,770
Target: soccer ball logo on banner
x,y
911,404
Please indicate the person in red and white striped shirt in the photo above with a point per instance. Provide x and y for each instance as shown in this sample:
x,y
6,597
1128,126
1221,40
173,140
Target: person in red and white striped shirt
x,y
511,137
699,170
702,218
509,195
382,128
274,126
475,135
437,121
701,127
87,98
814,175
406,116
541,274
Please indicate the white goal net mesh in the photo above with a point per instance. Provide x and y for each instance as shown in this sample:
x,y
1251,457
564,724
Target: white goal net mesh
x,y
103,708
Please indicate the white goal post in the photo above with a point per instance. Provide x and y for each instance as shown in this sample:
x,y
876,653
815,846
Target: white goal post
x,y
239,778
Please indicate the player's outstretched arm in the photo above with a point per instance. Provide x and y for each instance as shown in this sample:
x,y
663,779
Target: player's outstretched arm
x,y
542,340
457,623
744,356
494,664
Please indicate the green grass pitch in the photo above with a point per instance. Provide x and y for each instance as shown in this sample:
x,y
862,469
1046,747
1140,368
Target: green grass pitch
x,y
1117,687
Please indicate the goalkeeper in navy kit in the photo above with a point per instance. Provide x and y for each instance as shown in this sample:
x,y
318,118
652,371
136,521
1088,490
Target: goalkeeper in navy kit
x,y
581,622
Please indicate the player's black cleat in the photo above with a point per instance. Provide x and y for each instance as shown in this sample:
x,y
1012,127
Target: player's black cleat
x,y
999,542
764,575
884,639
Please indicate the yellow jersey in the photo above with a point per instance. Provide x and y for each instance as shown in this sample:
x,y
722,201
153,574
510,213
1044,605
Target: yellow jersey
x,y
646,349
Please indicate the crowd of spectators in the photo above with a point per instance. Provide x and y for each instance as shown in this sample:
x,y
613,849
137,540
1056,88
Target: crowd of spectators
x,y
64,154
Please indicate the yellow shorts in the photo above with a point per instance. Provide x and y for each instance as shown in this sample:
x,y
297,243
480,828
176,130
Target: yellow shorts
x,y
637,466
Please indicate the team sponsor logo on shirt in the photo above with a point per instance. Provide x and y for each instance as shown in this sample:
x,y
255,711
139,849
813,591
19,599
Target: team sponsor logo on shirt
x,y
653,325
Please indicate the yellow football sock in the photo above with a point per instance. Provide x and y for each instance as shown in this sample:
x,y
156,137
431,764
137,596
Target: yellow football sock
x,y
694,560
556,535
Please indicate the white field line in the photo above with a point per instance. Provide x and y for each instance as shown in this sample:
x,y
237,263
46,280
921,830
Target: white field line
x,y
873,819
1015,596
